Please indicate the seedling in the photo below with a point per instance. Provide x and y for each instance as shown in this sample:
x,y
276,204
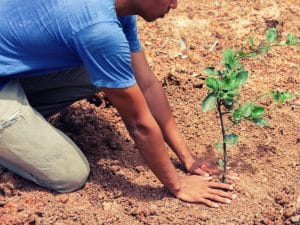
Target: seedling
x,y
224,92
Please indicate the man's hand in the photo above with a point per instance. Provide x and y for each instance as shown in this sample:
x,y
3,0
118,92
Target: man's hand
x,y
198,167
196,189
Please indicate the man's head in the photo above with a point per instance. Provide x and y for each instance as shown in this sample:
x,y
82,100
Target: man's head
x,y
150,10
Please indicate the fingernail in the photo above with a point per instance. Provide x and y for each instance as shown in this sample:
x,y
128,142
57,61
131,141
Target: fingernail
x,y
216,206
206,174
234,196
228,201
231,187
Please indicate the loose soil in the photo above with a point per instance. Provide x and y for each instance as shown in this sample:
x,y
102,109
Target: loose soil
x,y
122,190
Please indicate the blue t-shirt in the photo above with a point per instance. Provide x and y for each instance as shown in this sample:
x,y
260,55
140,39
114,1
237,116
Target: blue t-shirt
x,y
42,36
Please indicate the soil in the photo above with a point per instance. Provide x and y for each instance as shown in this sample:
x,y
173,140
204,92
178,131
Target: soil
x,y
122,190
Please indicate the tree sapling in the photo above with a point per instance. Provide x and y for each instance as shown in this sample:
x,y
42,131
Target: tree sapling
x,y
224,91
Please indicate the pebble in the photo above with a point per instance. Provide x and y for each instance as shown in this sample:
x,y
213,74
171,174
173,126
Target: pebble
x,y
281,199
107,206
139,169
295,219
289,212
2,203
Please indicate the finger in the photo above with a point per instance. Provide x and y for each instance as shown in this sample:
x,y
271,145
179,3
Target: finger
x,y
223,194
228,180
208,203
205,178
232,173
210,168
201,172
217,198
221,186
231,177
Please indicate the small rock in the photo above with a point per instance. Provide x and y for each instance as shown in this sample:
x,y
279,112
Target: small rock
x,y
281,199
39,213
289,212
295,219
2,203
148,43
62,198
107,206
139,169
20,208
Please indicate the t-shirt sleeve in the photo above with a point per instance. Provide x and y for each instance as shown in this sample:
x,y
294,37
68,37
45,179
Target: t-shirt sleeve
x,y
105,51
130,29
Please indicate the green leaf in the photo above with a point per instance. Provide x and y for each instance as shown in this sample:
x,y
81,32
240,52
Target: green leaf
x,y
261,122
228,103
210,71
229,55
271,35
212,83
231,139
285,96
242,54
219,146
232,93
257,112
237,115
281,97
230,60
209,102
276,96
246,109
229,83
220,163
251,42
242,77
243,111
291,39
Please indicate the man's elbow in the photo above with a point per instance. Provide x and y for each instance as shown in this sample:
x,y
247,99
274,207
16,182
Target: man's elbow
x,y
141,130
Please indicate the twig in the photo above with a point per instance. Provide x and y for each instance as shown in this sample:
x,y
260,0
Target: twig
x,y
213,46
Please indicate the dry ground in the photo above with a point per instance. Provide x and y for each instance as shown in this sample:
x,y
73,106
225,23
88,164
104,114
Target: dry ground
x,y
121,189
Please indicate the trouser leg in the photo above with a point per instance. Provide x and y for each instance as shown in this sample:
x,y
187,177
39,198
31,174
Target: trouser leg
x,y
29,145
51,93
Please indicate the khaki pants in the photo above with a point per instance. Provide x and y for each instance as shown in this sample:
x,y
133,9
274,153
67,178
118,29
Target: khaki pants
x,y
29,145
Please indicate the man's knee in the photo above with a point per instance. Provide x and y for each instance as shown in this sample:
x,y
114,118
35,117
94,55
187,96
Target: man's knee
x,y
69,180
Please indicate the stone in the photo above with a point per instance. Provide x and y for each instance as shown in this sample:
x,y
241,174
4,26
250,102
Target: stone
x,y
295,219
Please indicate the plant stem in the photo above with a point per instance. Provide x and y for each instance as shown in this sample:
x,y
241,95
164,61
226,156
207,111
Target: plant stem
x,y
262,96
223,179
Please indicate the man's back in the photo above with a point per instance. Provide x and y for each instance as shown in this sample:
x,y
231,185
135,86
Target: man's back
x,y
36,36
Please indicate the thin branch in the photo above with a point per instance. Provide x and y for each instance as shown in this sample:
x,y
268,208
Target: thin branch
x,y
224,144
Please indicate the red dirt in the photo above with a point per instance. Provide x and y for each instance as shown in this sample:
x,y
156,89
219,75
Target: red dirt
x,y
122,190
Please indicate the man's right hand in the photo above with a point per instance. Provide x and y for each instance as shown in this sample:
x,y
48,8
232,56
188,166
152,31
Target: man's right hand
x,y
196,189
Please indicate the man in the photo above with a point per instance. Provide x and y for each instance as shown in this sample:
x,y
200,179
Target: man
x,y
53,53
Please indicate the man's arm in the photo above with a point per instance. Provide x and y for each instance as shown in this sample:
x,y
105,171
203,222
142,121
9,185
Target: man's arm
x,y
132,106
159,107
134,111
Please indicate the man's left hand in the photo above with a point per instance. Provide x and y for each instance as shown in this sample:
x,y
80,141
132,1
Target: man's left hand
x,y
199,167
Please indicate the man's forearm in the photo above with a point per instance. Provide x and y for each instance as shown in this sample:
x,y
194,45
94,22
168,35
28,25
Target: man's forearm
x,y
160,109
159,106
151,146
